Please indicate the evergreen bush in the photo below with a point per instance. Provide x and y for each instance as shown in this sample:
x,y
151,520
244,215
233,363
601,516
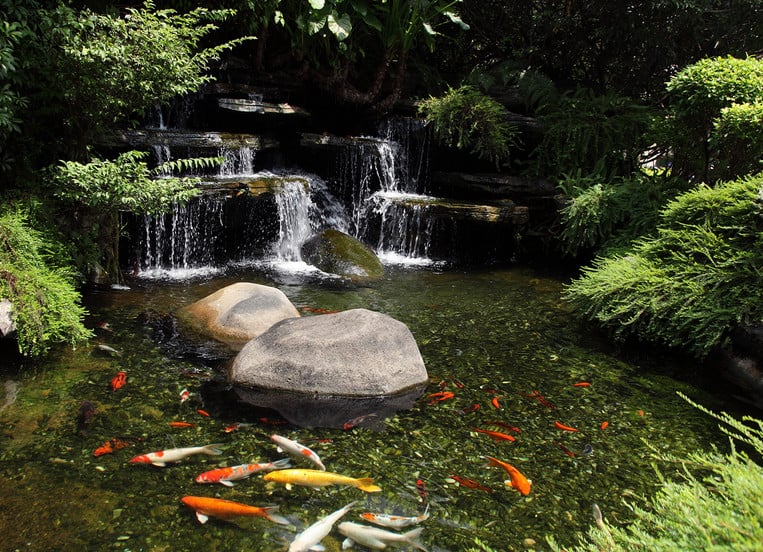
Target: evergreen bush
x,y
690,284
40,286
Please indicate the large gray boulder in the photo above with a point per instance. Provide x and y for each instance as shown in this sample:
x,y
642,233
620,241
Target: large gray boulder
x,y
354,353
239,312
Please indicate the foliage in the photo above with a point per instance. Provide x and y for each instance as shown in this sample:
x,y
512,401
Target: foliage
x,y
698,94
40,286
738,139
691,283
127,184
95,71
467,119
721,511
602,215
590,132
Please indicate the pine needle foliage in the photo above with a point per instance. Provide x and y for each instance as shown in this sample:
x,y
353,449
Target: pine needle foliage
x,y
691,283
716,506
41,288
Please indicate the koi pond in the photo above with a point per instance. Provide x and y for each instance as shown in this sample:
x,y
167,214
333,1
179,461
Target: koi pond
x,y
500,340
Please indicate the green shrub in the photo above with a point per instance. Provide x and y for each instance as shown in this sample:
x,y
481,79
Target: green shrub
x,y
721,511
601,215
40,286
738,138
691,283
697,96
467,119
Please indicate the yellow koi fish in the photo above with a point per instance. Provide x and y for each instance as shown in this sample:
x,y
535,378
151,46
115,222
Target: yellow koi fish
x,y
319,478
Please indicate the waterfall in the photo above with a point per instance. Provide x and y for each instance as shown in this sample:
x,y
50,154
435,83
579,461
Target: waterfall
x,y
294,226
237,162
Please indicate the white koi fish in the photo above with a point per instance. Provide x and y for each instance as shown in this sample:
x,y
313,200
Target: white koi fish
x,y
297,450
226,476
163,457
395,522
310,537
378,539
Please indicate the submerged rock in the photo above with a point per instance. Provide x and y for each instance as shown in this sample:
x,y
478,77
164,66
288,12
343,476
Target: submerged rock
x,y
355,353
239,312
335,252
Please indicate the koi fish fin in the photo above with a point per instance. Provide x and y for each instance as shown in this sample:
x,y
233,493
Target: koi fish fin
x,y
347,543
412,538
159,464
289,486
367,484
281,464
212,450
275,518
424,516
317,548
279,449
201,517
226,483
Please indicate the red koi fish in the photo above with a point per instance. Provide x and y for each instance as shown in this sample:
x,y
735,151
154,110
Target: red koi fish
x,y
470,483
184,395
517,481
440,396
496,435
582,384
504,425
118,381
563,427
421,490
226,476
604,425
349,424
540,398
228,509
468,409
181,424
112,445
565,450
203,413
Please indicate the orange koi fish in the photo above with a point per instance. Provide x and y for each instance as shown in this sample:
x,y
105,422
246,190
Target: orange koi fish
x,y
604,425
582,384
226,476
181,424
393,521
517,481
228,509
203,413
440,396
468,409
349,424
540,398
457,383
118,381
470,483
495,403
496,435
504,425
236,426
112,445
563,427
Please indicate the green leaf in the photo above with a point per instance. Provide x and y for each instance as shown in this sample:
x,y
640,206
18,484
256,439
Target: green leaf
x,y
317,4
340,27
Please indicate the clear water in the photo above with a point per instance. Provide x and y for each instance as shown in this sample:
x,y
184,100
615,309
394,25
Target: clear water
x,y
499,333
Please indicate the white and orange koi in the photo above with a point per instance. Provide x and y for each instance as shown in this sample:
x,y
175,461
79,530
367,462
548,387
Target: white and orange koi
x,y
226,476
297,450
393,521
163,457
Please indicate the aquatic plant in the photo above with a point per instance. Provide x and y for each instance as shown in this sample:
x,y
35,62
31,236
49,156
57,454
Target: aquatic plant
x,y
722,510
691,283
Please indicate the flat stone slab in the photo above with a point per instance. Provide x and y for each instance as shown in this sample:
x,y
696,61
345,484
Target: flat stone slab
x,y
354,353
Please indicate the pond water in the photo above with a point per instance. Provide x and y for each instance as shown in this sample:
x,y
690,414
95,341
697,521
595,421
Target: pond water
x,y
496,338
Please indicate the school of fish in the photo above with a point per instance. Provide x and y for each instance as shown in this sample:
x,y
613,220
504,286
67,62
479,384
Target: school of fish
x,y
386,527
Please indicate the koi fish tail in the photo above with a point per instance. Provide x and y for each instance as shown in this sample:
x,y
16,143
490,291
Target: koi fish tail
x,y
212,450
281,464
275,518
493,462
367,484
412,538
